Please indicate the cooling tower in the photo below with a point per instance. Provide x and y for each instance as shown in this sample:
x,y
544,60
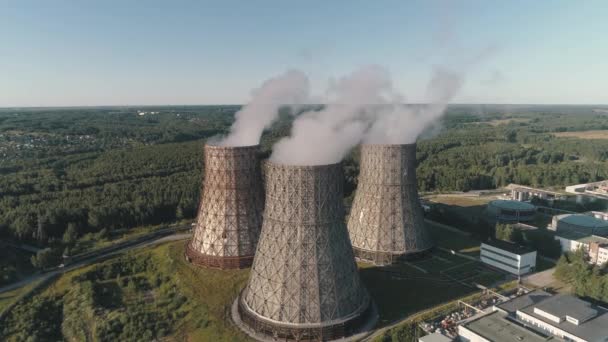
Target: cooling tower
x,y
304,283
230,213
386,221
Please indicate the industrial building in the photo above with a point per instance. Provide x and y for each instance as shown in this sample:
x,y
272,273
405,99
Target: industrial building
x,y
510,211
525,193
509,257
229,217
581,223
595,189
304,283
596,247
386,222
539,316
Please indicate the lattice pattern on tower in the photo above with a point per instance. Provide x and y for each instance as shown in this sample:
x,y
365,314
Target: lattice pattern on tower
x,y
304,283
386,222
230,214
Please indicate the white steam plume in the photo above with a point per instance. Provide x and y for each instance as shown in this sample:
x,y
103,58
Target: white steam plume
x,y
325,136
363,106
291,87
397,123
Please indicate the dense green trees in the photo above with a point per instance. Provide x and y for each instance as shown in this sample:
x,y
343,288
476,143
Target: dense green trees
x,y
506,232
586,279
106,169
125,299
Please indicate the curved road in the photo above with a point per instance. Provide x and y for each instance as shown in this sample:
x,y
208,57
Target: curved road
x,y
92,259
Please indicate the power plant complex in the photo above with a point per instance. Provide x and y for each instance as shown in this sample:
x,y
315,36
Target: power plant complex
x,y
386,222
304,283
230,214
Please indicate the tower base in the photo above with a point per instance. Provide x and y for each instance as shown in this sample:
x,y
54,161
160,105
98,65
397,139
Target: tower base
x,y
216,262
259,329
387,258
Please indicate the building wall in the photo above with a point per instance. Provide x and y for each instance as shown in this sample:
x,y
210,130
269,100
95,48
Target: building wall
x,y
507,261
548,328
571,245
599,255
467,335
602,257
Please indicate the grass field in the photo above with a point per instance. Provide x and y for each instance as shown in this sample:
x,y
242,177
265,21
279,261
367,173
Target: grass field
x,y
459,242
599,134
401,290
158,285
461,201
151,293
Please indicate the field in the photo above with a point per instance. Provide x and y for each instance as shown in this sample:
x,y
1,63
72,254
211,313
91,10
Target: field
x,y
149,294
454,240
402,290
155,293
498,122
591,135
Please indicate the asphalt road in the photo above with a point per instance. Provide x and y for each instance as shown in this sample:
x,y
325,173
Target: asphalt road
x,y
91,260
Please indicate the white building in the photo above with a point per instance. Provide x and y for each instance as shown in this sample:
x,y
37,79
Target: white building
x,y
539,316
509,257
525,193
596,247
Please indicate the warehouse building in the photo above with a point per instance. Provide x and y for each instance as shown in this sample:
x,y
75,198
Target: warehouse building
x,y
509,257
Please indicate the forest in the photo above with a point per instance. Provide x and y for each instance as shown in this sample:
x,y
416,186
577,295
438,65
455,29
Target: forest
x,y
66,174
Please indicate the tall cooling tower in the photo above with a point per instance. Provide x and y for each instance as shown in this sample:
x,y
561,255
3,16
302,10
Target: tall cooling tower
x,y
230,214
386,221
304,283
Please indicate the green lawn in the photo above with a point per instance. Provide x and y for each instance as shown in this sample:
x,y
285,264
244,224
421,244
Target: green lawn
x,y
401,290
453,240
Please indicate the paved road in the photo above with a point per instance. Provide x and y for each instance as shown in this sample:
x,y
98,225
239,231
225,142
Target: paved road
x,y
88,261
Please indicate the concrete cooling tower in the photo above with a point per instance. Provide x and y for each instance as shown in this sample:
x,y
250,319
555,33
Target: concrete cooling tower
x,y
230,214
386,221
304,283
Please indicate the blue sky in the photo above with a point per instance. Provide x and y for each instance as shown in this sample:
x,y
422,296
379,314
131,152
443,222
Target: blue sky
x,y
73,53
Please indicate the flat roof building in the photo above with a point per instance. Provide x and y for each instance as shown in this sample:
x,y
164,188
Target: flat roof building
x,y
509,257
540,316
567,317
496,327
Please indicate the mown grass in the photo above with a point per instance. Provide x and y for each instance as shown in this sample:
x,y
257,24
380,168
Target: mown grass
x,y
459,242
401,290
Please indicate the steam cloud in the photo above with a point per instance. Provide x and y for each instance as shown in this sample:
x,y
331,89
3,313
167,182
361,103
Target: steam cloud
x,y
325,136
363,106
291,87
397,123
